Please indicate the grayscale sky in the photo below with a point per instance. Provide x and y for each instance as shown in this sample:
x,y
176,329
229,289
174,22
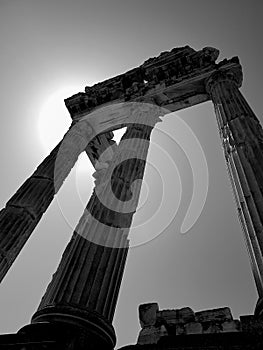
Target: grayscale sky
x,y
53,48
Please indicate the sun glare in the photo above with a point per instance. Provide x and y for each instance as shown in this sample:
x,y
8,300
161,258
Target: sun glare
x,y
54,121
54,118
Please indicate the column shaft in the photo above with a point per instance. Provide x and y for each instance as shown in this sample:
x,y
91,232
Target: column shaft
x,y
85,288
242,138
25,209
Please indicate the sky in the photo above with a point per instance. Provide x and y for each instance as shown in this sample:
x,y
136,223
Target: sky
x,y
51,49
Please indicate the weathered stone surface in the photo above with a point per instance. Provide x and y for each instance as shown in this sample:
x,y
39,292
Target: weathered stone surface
x,y
179,329
211,327
175,79
16,225
176,316
102,148
193,328
231,326
34,195
148,335
85,287
242,139
25,208
148,314
155,81
221,314
151,334
186,314
184,322
170,316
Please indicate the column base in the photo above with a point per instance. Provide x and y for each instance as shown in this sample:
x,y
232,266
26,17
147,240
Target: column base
x,y
43,334
77,328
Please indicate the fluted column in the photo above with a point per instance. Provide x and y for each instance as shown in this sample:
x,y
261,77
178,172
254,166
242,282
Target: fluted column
x,y
83,292
24,210
242,138
26,207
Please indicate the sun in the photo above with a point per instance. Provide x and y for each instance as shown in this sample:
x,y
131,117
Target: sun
x,y
54,119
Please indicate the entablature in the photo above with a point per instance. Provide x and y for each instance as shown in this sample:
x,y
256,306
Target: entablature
x,y
173,80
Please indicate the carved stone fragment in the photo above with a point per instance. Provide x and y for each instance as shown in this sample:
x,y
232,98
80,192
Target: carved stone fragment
x,y
222,314
148,314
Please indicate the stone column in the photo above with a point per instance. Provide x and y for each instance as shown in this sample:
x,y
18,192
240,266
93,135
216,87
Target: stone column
x,y
242,138
25,209
83,292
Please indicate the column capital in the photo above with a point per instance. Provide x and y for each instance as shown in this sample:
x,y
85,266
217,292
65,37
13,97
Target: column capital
x,y
232,76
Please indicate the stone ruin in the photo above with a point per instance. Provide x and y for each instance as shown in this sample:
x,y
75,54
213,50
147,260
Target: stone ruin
x,y
157,323
76,313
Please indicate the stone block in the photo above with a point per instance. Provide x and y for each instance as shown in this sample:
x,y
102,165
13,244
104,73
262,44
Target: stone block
x,y
193,328
169,316
221,314
148,314
151,334
177,316
179,329
231,326
211,327
185,315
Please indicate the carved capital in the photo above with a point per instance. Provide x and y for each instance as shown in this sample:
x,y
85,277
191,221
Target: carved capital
x,y
232,76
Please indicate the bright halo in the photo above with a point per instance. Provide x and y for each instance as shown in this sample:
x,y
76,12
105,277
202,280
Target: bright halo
x,y
54,121
54,118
